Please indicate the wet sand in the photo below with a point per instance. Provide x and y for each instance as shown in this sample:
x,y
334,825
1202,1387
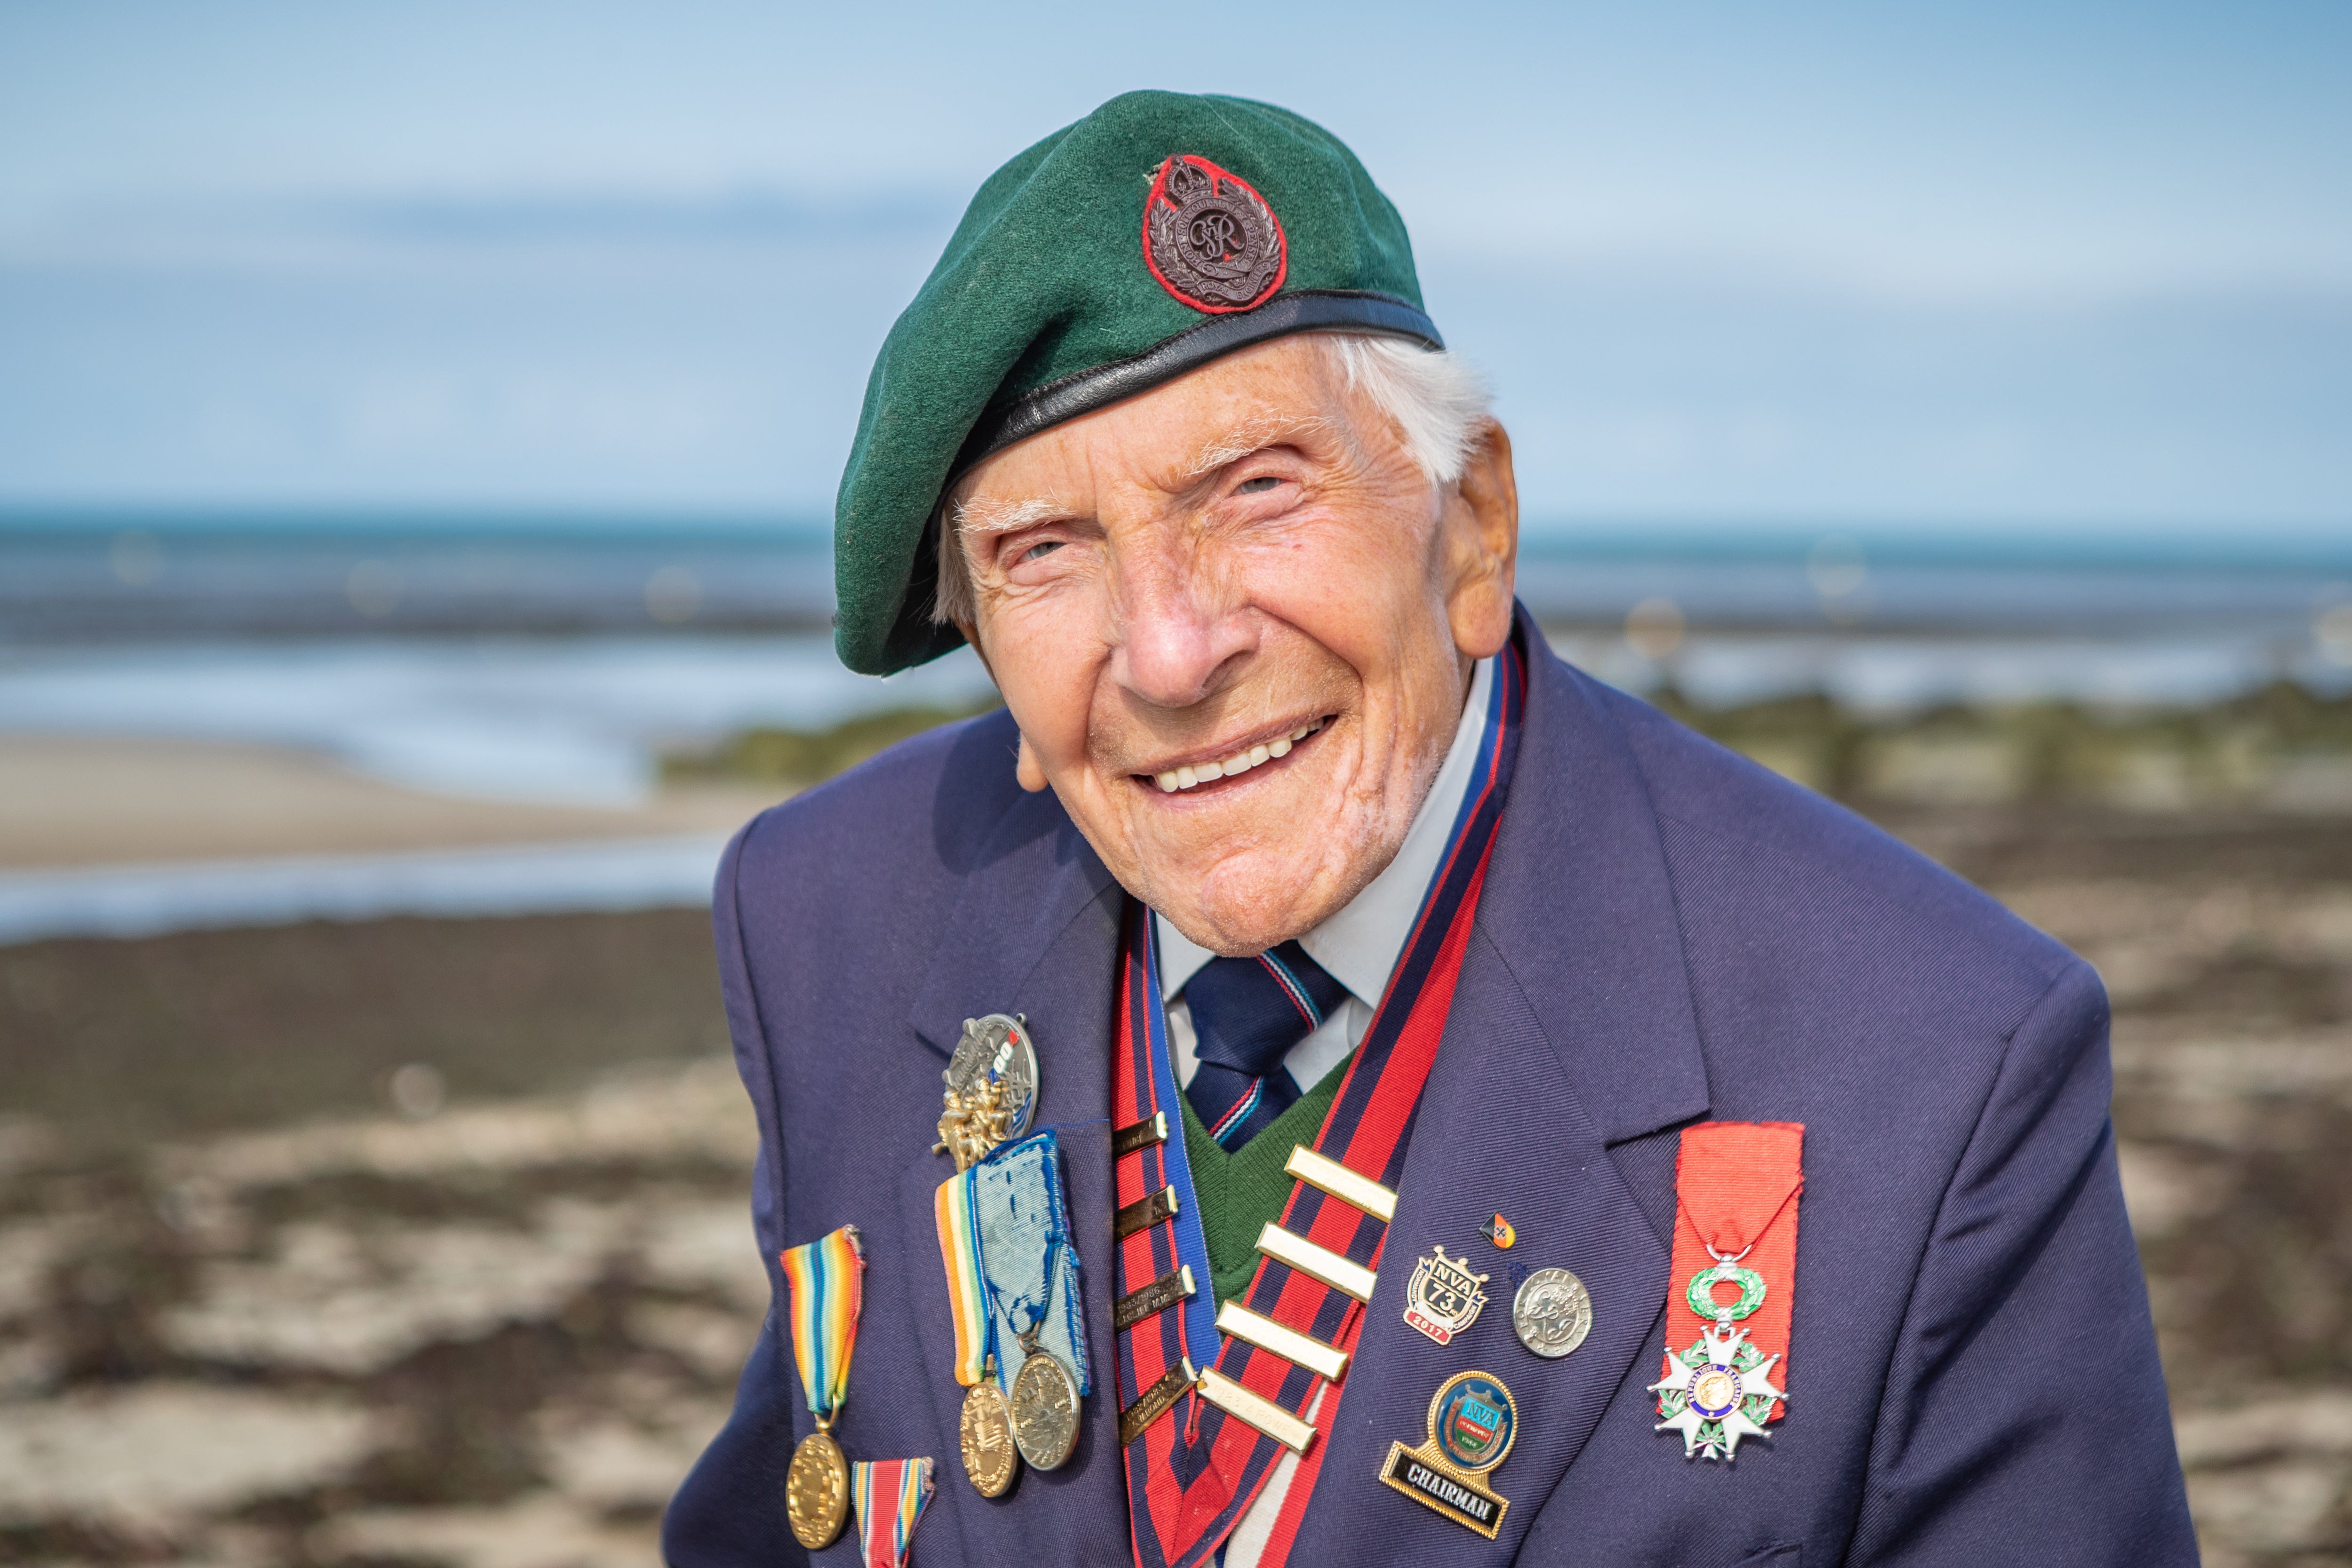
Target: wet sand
x,y
82,801
426,1241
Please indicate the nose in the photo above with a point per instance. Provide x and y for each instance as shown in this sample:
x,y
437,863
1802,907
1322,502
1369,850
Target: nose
x,y
1182,627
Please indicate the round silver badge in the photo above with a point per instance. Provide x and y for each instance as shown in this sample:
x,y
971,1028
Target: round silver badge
x,y
996,1051
1552,1311
1045,1410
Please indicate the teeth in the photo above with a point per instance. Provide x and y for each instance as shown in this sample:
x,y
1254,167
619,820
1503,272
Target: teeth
x,y
1239,763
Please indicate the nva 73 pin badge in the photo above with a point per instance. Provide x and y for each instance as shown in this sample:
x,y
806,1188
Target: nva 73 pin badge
x,y
1443,1296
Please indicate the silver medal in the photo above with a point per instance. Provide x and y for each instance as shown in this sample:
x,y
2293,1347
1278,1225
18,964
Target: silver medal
x,y
1552,1312
992,1093
997,1050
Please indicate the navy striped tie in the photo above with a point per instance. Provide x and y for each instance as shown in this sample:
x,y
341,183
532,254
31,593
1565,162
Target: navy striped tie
x,y
1247,1014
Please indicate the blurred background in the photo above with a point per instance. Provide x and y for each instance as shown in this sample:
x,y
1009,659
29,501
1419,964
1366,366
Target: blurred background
x,y
418,428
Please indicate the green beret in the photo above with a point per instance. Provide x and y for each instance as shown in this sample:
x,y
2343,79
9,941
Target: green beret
x,y
1160,232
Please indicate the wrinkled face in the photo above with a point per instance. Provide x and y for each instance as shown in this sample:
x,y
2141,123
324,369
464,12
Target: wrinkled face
x,y
1236,622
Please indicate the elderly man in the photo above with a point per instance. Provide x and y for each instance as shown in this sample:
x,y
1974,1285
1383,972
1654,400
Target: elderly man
x,y
1385,1070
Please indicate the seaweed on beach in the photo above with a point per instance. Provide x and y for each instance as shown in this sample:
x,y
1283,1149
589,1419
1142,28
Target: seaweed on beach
x,y
783,756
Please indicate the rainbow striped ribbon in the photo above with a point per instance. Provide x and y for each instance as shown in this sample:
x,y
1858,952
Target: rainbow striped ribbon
x,y
889,1495
956,1208
825,1277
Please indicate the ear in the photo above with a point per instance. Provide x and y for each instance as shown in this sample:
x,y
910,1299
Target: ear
x,y
1482,546
1028,769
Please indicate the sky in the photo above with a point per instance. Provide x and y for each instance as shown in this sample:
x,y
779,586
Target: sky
x,y
1989,268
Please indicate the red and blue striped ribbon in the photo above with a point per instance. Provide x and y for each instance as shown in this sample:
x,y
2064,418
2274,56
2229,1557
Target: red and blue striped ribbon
x,y
1189,1477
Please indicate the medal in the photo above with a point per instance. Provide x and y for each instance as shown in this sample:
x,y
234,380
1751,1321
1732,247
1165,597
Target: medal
x,y
1472,1421
990,1459
1013,1281
984,1434
992,1088
825,1279
1718,1392
1736,1185
816,1491
1442,1297
1552,1312
1045,1407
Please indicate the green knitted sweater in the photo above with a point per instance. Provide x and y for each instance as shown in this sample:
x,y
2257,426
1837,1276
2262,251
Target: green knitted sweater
x,y
1242,1192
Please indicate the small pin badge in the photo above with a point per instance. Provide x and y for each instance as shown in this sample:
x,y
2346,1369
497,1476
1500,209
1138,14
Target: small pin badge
x,y
1471,1424
1444,1296
1498,1231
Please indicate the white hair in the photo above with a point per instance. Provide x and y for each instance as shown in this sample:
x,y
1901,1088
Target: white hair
x,y
1438,404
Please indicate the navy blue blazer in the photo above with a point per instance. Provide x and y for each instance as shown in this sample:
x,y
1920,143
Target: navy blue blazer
x,y
1668,934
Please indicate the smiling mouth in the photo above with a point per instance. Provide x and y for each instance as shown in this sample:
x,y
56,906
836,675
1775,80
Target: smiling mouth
x,y
1191,777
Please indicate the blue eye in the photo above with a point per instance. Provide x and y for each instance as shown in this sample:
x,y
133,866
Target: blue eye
x,y
1256,487
1045,548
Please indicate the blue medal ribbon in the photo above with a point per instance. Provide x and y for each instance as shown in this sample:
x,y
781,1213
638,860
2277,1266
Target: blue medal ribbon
x,y
1028,1256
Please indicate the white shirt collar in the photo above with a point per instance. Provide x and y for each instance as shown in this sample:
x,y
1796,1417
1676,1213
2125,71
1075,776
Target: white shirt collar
x,y
1361,945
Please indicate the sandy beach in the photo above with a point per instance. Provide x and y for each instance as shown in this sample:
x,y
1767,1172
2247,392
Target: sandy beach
x,y
337,1244
87,801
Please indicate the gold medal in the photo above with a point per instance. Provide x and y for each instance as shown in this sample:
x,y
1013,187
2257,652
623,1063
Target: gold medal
x,y
825,1281
816,1491
990,1459
1045,1407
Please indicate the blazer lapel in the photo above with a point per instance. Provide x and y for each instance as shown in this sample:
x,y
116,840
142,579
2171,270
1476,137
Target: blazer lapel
x,y
1035,931
1571,1029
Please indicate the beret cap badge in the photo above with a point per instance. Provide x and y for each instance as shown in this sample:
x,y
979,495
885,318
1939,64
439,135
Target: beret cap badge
x,y
1210,238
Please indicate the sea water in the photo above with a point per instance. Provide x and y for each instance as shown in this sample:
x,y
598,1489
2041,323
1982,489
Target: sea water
x,y
559,668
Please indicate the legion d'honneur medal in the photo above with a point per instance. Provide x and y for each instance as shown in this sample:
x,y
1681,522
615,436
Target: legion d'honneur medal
x,y
1735,1189
1013,1287
824,1278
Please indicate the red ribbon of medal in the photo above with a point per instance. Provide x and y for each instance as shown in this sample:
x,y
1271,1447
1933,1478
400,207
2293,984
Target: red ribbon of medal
x,y
1189,1481
1735,1189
